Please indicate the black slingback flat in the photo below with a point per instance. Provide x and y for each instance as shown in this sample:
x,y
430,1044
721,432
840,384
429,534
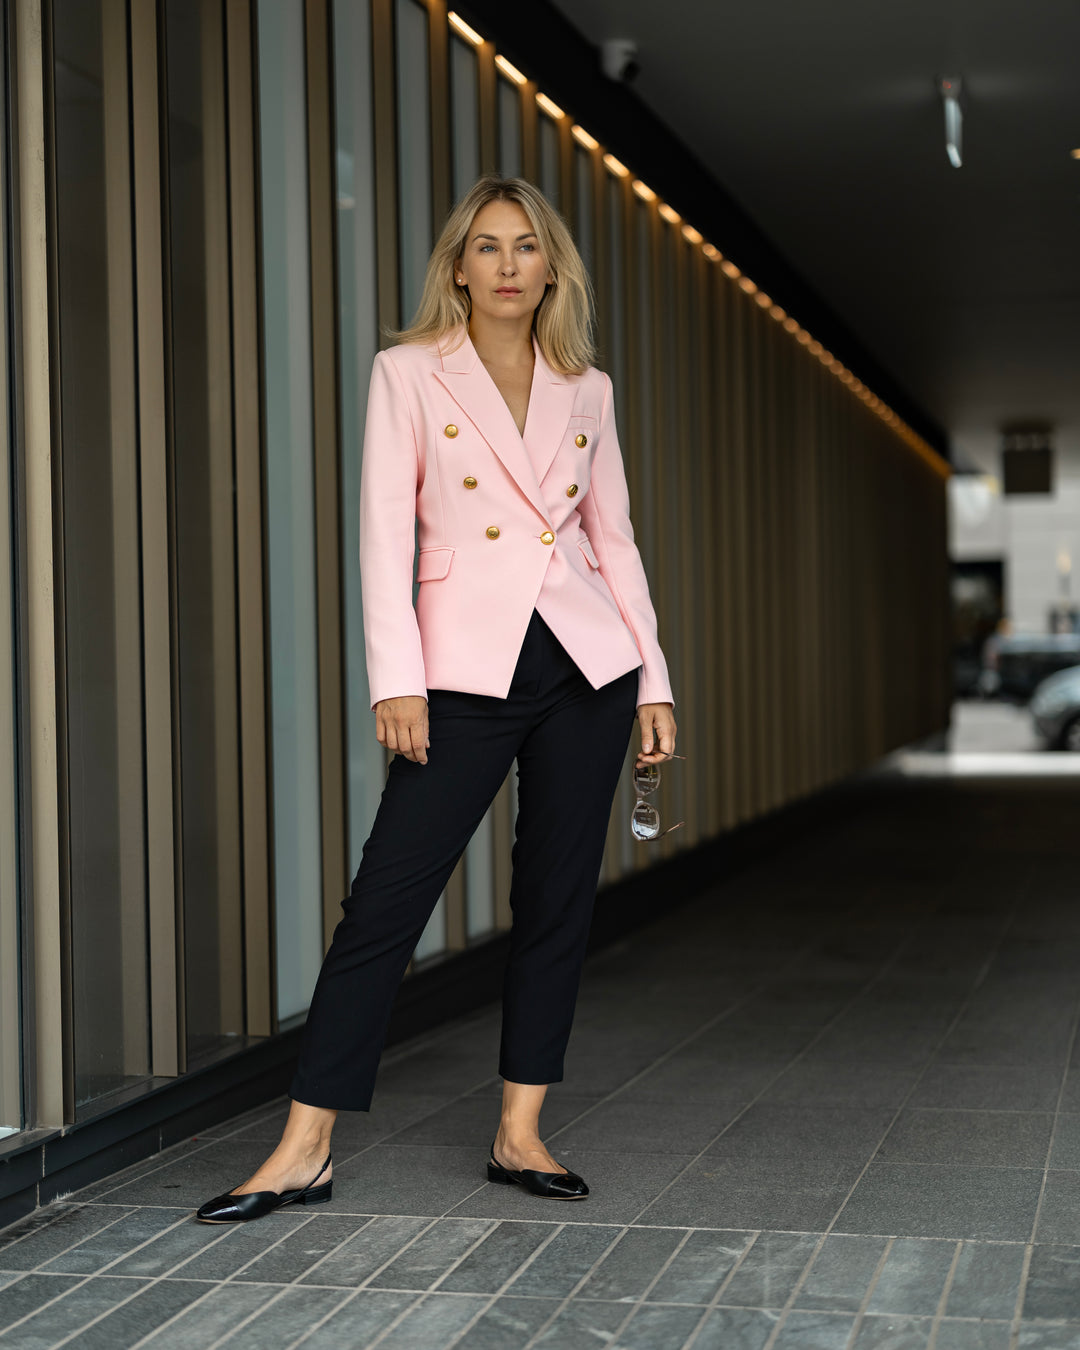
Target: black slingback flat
x,y
231,1208
547,1185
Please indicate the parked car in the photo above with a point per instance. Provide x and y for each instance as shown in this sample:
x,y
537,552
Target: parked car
x,y
1055,708
1014,664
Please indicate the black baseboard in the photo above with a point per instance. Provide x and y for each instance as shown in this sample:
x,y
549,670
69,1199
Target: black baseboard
x,y
39,1166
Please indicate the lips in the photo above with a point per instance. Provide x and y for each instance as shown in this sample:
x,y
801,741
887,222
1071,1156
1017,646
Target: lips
x,y
507,290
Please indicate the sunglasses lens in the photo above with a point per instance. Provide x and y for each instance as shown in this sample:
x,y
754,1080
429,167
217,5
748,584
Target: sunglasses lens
x,y
646,778
645,822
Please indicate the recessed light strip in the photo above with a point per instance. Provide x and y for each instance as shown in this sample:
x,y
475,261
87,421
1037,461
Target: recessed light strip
x,y
730,270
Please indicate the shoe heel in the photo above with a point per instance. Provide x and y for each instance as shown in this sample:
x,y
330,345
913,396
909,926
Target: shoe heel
x,y
497,1175
318,1195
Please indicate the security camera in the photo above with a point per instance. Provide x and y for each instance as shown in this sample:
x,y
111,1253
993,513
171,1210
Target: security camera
x,y
618,58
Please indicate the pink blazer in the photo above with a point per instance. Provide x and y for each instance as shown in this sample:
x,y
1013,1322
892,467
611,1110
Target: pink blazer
x,y
506,524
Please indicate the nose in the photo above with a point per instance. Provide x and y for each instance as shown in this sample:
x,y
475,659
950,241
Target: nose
x,y
508,266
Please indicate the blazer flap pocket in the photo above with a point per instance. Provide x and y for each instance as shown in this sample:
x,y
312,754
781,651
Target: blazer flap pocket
x,y
587,549
434,563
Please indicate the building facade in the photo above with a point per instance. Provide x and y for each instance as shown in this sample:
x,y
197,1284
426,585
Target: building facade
x,y
215,210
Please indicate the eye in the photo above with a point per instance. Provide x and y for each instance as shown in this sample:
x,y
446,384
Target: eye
x,y
530,247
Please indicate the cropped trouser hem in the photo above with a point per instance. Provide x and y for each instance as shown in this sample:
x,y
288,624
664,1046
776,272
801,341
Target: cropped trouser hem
x,y
569,741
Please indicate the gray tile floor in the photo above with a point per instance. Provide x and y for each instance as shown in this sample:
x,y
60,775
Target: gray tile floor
x,y
833,1104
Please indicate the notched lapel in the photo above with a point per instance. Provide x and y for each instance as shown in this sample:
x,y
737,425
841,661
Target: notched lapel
x,y
468,383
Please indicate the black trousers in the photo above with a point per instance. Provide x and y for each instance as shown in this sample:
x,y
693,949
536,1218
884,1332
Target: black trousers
x,y
570,742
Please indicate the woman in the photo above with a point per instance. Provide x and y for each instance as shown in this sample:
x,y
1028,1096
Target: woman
x,y
533,638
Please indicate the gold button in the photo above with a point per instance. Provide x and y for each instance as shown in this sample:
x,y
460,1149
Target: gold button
x,y
581,440
493,531
450,430
547,537
572,490
470,482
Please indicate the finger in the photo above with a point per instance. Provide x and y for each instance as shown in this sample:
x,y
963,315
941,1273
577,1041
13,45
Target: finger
x,y
645,719
418,743
403,739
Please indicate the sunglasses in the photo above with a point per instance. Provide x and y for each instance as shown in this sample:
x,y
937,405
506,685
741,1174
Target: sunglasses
x,y
645,819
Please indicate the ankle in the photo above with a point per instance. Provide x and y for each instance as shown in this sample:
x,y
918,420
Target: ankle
x,y
308,1146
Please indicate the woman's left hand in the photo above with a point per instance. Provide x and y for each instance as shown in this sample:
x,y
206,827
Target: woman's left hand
x,y
658,730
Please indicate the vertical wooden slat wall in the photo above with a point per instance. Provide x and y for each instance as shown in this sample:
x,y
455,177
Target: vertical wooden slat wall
x,y
794,536
793,530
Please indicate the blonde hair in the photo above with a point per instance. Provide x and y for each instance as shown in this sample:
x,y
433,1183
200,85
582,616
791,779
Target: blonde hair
x,y
563,321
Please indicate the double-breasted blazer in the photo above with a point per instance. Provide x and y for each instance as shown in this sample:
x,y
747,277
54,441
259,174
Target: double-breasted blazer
x,y
505,524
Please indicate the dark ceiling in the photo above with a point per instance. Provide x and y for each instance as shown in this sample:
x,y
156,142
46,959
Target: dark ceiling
x,y
825,122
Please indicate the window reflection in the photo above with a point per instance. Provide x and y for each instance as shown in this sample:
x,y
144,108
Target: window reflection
x,y
101,550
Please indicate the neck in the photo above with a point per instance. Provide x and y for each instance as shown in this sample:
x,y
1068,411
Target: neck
x,y
503,341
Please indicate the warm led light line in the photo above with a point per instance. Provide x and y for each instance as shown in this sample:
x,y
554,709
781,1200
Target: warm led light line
x,y
731,271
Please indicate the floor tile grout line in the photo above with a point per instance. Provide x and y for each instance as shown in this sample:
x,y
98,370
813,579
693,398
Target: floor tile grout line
x,y
869,984
902,1106
34,1232
707,1025
501,1291
156,1280
864,1303
83,1280
493,1224
789,1302
639,1302
1053,1130
12,1326
564,1303
365,1283
946,1294
294,1283
724,1285
1016,1321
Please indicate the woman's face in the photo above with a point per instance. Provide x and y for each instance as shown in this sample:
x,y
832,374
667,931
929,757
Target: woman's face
x,y
501,263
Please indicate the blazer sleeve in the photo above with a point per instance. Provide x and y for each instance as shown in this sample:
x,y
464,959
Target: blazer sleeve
x,y
390,474
605,514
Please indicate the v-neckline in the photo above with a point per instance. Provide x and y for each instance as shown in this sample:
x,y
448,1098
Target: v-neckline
x,y
521,431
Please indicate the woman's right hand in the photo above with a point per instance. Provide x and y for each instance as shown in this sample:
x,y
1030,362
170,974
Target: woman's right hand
x,y
401,724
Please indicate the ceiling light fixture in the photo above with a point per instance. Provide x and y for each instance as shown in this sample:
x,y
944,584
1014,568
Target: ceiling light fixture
x,y
691,235
460,26
511,72
954,119
643,190
552,109
616,166
712,253
669,213
1075,153
583,138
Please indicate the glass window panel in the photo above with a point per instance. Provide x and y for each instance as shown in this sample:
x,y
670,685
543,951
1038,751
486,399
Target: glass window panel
x,y
101,548
358,345
414,150
480,880
509,129
11,1117
433,939
465,110
549,158
204,493
290,502
583,185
